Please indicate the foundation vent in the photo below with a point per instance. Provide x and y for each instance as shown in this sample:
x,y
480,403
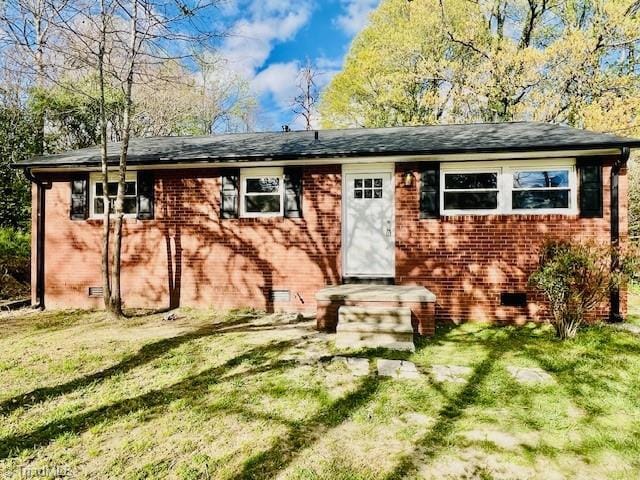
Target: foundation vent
x,y
96,292
513,299
280,296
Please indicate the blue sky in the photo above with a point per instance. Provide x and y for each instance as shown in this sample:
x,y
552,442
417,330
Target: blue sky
x,y
270,39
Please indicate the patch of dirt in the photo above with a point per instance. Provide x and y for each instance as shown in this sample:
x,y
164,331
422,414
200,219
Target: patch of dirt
x,y
503,440
471,464
359,444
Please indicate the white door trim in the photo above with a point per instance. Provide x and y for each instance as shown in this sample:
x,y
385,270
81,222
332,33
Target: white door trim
x,y
366,168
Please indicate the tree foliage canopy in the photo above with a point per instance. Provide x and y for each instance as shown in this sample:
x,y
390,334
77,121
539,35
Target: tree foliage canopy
x,y
17,142
72,112
428,61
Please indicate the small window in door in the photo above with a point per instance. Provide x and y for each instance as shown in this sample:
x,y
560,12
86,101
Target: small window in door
x,y
367,188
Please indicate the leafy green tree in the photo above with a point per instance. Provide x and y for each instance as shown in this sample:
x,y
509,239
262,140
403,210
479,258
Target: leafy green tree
x,y
18,141
72,113
429,61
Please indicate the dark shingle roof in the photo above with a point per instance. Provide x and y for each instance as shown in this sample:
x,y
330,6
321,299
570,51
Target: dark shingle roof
x,y
423,140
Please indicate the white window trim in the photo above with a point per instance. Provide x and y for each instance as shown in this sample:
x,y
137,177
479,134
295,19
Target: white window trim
x,y
505,185
479,211
250,173
96,177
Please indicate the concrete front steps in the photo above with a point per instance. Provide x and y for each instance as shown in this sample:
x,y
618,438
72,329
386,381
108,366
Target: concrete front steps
x,y
420,302
374,327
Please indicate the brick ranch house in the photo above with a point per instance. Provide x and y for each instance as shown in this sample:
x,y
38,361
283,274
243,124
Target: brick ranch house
x,y
270,220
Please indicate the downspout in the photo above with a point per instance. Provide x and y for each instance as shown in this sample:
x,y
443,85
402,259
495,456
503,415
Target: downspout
x,y
614,314
40,217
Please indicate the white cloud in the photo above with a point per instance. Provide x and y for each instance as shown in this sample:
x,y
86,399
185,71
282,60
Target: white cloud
x,y
356,15
280,81
253,38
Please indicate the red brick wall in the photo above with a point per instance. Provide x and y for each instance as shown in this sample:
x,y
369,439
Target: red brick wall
x,y
468,260
188,256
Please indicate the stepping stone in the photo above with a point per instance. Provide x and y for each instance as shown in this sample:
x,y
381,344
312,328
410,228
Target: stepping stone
x,y
359,367
397,369
529,374
450,373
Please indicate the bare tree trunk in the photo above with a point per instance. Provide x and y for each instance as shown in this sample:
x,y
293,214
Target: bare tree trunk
x,y
116,298
38,12
304,103
106,227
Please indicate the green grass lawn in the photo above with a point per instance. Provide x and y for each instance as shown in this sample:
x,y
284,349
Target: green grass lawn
x,y
634,304
221,395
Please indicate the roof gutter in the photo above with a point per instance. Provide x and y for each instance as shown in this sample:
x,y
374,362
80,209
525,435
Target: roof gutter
x,y
40,213
614,300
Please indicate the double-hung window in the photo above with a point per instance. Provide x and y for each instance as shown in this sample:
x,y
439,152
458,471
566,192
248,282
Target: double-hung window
x,y
540,189
506,187
130,204
262,191
472,190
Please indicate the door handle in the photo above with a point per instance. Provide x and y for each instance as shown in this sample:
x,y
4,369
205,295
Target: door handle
x,y
388,230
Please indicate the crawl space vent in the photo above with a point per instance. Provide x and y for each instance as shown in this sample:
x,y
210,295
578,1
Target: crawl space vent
x,y
513,299
95,292
280,296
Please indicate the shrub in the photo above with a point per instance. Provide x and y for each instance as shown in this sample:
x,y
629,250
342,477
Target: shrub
x,y
576,278
15,268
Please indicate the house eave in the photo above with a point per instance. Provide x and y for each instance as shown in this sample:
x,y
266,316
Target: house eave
x,y
170,163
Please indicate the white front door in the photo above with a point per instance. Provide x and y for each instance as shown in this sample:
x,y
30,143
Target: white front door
x,y
369,222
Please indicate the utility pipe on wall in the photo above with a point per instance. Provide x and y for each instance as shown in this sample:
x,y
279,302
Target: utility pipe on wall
x,y
614,314
40,212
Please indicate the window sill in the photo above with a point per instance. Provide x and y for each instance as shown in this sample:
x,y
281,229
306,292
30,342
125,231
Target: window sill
x,y
267,219
508,217
127,219
275,215
512,213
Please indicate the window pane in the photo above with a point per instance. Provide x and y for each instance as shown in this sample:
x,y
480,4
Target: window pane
x,y
377,182
377,193
129,188
99,189
557,178
262,203
540,199
470,200
98,206
367,182
357,193
357,183
368,193
113,189
263,185
129,205
470,180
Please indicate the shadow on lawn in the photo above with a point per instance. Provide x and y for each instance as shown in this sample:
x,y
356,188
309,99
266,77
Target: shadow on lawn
x,y
146,354
573,367
262,465
303,434
439,435
76,424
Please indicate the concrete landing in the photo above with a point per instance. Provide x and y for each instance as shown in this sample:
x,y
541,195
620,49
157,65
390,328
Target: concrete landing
x,y
379,306
377,293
